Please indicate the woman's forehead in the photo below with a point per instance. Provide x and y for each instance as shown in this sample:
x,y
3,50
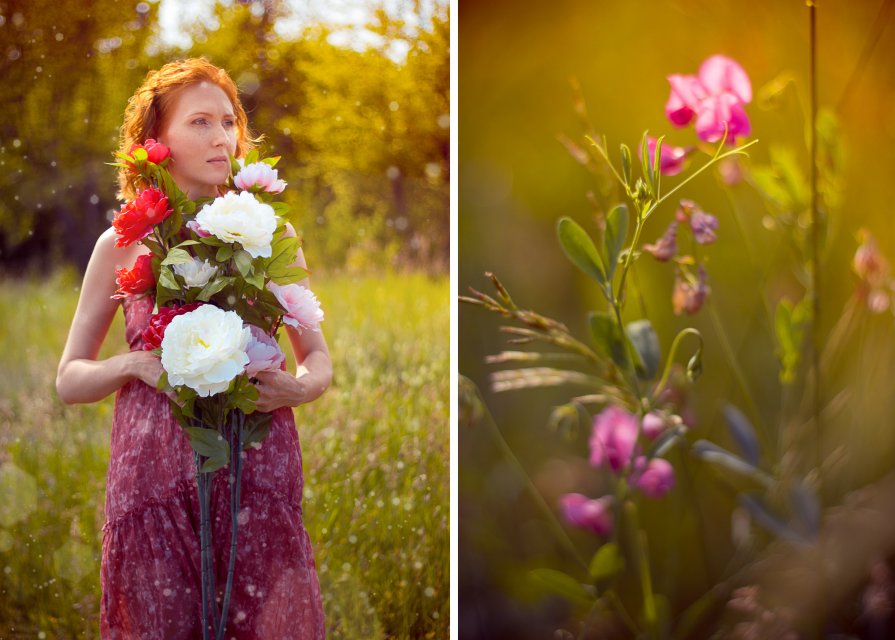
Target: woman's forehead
x,y
203,96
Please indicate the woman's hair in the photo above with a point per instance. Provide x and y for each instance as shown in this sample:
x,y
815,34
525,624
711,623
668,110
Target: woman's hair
x,y
147,108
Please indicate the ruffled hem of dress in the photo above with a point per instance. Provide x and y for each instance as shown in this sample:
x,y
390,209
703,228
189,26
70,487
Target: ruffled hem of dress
x,y
182,490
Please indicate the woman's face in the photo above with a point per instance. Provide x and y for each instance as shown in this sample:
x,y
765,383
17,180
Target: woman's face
x,y
200,130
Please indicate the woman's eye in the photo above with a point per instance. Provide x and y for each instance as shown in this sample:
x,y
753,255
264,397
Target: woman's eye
x,y
228,123
199,121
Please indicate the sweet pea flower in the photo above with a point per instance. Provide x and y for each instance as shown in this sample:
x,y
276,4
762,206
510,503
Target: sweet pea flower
x,y
689,295
665,248
703,226
671,159
653,425
138,279
654,478
714,99
195,273
613,438
260,176
302,307
263,351
593,515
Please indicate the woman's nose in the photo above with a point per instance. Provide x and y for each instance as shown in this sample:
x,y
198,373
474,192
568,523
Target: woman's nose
x,y
221,136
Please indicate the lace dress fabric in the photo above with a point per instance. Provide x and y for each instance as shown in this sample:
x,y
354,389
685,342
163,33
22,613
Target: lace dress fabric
x,y
151,564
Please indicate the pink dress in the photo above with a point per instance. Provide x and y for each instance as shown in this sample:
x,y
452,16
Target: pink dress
x,y
150,573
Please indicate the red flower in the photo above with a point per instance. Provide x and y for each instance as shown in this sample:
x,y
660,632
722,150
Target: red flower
x,y
155,332
156,152
136,219
138,280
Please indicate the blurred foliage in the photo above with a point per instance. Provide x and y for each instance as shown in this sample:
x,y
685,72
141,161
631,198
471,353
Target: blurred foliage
x,y
517,179
364,133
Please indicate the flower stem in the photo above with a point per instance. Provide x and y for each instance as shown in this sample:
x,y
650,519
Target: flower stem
x,y
533,492
237,423
200,481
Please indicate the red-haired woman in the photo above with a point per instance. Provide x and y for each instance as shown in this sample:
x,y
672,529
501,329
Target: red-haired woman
x,y
150,573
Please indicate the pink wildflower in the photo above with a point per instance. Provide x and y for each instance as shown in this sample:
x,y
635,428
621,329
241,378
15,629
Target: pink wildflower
x,y
654,478
594,515
671,160
665,247
613,438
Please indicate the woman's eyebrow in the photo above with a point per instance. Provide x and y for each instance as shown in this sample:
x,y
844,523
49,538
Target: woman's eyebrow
x,y
206,113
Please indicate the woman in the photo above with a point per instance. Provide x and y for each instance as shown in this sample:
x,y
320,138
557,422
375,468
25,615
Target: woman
x,y
151,562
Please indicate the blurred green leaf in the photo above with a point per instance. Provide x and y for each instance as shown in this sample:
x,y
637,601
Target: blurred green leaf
x,y
561,584
646,345
607,562
608,338
580,249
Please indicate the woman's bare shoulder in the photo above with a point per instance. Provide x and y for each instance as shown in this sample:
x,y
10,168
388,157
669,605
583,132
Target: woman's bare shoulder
x,y
107,252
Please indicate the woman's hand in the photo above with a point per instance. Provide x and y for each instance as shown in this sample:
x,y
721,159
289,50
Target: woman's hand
x,y
279,389
145,366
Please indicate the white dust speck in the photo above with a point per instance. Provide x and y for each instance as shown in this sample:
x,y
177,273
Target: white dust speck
x,y
429,592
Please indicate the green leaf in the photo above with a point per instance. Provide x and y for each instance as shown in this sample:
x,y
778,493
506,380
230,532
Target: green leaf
x,y
711,452
608,338
166,279
140,155
208,442
224,253
614,237
562,584
289,275
626,164
646,343
257,428
213,464
657,163
607,562
272,161
256,280
213,287
580,249
647,166
280,208
283,252
252,157
243,262
177,256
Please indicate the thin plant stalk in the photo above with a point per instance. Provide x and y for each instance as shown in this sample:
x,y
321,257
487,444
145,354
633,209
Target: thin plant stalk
x,y
237,424
200,481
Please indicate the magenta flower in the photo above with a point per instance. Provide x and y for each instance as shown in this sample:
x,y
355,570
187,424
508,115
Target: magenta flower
x,y
665,247
613,438
718,112
703,226
671,160
689,295
654,478
653,425
594,515
714,98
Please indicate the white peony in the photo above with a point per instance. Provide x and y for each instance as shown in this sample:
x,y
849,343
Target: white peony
x,y
205,349
240,217
196,273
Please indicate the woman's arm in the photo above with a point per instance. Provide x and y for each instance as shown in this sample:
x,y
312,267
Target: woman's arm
x,y
315,371
81,378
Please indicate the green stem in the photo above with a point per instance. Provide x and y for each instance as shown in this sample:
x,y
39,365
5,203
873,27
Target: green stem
x,y
669,362
638,538
555,526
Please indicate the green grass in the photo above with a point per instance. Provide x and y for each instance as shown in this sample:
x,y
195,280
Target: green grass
x,y
375,448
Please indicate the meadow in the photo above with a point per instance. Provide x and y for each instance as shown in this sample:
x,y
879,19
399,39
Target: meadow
x,y
375,448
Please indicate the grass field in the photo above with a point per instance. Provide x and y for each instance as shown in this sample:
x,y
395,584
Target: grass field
x,y
375,447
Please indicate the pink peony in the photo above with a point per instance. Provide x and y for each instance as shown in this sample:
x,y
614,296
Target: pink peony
x,y
264,352
259,176
654,478
613,438
594,515
302,308
672,159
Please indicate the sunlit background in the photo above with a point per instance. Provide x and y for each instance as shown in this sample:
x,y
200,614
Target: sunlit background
x,y
355,98
516,179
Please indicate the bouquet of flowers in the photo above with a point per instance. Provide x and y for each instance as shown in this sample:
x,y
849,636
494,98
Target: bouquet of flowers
x,y
222,273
